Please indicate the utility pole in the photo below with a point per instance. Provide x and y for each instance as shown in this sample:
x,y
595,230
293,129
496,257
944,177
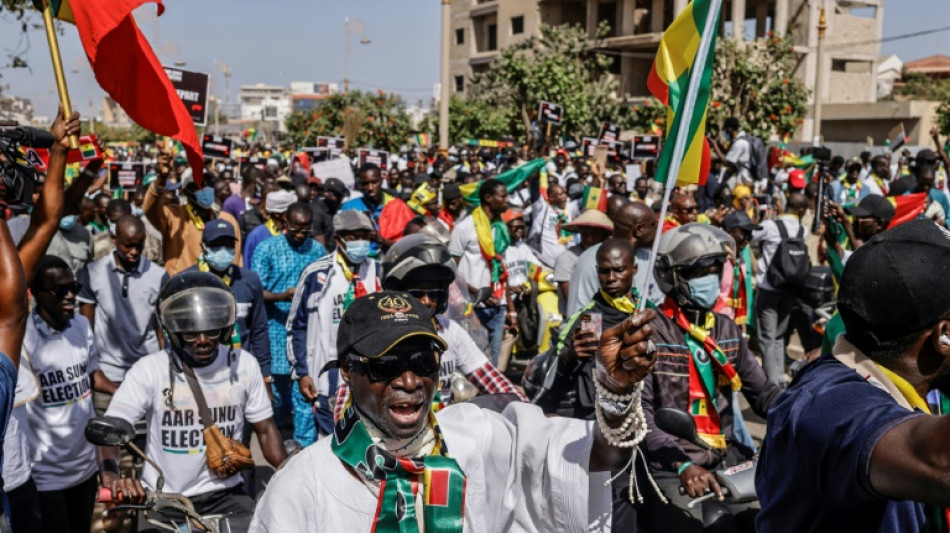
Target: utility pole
x,y
822,26
346,55
444,85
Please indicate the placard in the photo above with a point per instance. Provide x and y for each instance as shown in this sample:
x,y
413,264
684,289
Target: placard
x,y
217,147
645,146
550,113
127,174
317,154
335,144
192,88
613,150
588,144
338,168
259,162
609,132
378,157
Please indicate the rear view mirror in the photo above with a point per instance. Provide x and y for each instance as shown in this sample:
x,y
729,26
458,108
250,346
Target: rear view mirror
x,y
109,431
676,422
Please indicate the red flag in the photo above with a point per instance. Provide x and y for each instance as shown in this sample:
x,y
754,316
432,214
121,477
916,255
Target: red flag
x,y
89,149
907,207
128,70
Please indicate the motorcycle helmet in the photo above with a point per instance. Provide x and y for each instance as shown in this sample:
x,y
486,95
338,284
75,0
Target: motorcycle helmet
x,y
687,248
193,302
419,257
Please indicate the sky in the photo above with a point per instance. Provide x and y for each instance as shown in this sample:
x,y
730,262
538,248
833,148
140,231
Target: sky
x,y
280,41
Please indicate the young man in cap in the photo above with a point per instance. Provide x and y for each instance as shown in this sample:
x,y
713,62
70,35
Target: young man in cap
x,y
736,289
118,297
392,464
279,261
850,445
180,225
275,204
325,291
219,248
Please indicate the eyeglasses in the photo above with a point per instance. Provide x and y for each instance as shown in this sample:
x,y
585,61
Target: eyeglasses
x,y
60,291
192,336
300,231
693,209
392,365
434,294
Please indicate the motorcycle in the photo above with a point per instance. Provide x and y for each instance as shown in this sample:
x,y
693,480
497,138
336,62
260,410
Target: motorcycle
x,y
737,482
163,510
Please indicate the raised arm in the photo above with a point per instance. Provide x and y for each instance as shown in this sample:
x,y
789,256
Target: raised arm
x,y
72,197
13,303
154,204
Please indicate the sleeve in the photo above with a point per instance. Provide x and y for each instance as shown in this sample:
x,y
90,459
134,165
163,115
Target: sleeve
x,y
259,335
842,450
562,267
133,397
258,406
659,446
154,207
735,152
86,294
584,283
297,325
260,265
93,364
762,232
468,357
456,244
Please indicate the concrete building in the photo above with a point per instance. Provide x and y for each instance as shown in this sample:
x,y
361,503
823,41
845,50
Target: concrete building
x,y
480,28
15,111
113,114
267,105
889,70
936,66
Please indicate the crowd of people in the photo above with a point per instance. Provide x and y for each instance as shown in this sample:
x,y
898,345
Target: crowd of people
x,y
273,302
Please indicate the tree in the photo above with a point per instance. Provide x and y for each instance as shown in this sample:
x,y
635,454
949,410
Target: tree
x,y
473,119
755,82
561,65
381,122
19,10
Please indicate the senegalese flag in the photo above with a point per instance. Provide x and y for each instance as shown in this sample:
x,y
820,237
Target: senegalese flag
x,y
594,198
534,271
908,207
512,180
790,159
422,139
250,133
60,8
676,62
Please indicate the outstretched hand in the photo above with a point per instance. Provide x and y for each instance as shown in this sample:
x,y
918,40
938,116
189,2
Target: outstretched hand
x,y
64,128
626,354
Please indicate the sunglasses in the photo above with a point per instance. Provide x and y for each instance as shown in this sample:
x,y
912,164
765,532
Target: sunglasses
x,y
434,294
192,336
60,291
390,366
687,209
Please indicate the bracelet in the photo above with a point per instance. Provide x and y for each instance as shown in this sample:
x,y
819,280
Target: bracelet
x,y
684,466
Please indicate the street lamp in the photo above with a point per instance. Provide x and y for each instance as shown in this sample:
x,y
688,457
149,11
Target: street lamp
x,y
355,27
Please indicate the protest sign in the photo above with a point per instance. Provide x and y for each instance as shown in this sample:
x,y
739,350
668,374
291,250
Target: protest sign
x,y
609,132
588,144
335,144
645,146
338,168
378,157
550,113
89,149
217,147
126,174
192,88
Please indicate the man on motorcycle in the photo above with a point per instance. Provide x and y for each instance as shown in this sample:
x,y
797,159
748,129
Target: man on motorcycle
x,y
702,359
851,445
197,314
423,267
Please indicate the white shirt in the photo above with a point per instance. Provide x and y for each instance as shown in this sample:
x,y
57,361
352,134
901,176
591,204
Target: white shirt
x,y
524,473
234,392
63,362
544,231
769,236
517,257
17,452
463,243
740,155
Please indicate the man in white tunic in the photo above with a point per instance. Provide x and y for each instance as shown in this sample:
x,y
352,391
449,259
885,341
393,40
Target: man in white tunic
x,y
393,465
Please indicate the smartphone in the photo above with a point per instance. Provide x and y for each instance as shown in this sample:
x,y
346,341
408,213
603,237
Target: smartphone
x,y
593,322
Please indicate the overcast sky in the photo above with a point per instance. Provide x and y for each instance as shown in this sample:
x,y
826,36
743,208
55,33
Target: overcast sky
x,y
280,41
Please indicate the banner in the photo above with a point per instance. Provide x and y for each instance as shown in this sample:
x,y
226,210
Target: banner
x,y
192,88
89,149
609,132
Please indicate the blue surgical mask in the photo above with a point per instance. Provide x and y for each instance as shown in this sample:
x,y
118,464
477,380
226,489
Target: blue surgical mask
x,y
220,257
704,291
205,198
357,251
67,222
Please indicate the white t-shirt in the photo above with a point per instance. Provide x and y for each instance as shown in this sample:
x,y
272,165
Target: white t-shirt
x,y
517,257
63,362
740,154
544,228
524,473
464,244
462,354
17,452
234,392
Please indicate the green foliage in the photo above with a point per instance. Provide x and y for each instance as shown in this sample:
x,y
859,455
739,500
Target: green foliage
x,y
648,117
384,123
919,86
755,82
943,117
123,133
473,119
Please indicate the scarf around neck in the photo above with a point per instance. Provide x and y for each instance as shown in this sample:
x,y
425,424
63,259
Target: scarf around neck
x,y
493,240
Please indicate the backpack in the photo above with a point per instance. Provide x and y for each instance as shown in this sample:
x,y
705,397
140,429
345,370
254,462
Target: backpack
x,y
790,264
758,158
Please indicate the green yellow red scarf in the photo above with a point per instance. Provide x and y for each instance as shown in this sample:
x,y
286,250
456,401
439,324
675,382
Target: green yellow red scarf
x,y
493,240
708,362
438,475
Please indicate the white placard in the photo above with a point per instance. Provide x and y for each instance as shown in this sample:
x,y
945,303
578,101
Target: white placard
x,y
338,168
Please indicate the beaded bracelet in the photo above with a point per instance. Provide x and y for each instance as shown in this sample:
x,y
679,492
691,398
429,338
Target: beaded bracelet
x,y
684,466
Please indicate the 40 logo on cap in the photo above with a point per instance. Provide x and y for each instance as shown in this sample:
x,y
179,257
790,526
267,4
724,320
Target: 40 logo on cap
x,y
396,305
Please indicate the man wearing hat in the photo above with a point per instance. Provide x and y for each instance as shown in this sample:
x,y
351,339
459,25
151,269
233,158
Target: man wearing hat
x,y
275,205
325,206
279,261
181,225
218,244
736,287
325,291
852,444
394,465
594,227
453,209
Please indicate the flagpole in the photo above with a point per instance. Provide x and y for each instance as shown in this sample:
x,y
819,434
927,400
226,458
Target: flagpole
x,y
682,137
58,69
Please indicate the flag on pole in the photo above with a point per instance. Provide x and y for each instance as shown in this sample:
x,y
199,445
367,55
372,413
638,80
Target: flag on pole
x,y
668,81
512,180
128,70
896,137
594,198
907,207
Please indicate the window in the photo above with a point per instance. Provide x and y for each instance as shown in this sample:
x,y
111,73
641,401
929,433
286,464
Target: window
x,y
517,25
492,36
460,36
459,84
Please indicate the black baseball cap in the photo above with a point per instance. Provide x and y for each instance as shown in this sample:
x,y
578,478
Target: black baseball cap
x,y
896,283
216,229
451,191
738,219
336,186
875,206
375,323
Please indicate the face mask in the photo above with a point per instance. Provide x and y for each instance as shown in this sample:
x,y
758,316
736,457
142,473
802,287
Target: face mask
x,y
204,198
704,291
137,211
357,251
67,222
641,194
220,257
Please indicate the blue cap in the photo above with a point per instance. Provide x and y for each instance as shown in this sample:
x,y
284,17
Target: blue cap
x,y
216,229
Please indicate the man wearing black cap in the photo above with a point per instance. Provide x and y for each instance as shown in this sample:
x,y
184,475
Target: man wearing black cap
x,y
218,242
907,184
393,465
453,209
736,286
850,445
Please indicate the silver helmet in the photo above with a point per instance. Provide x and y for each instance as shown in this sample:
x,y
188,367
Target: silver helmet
x,y
685,248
